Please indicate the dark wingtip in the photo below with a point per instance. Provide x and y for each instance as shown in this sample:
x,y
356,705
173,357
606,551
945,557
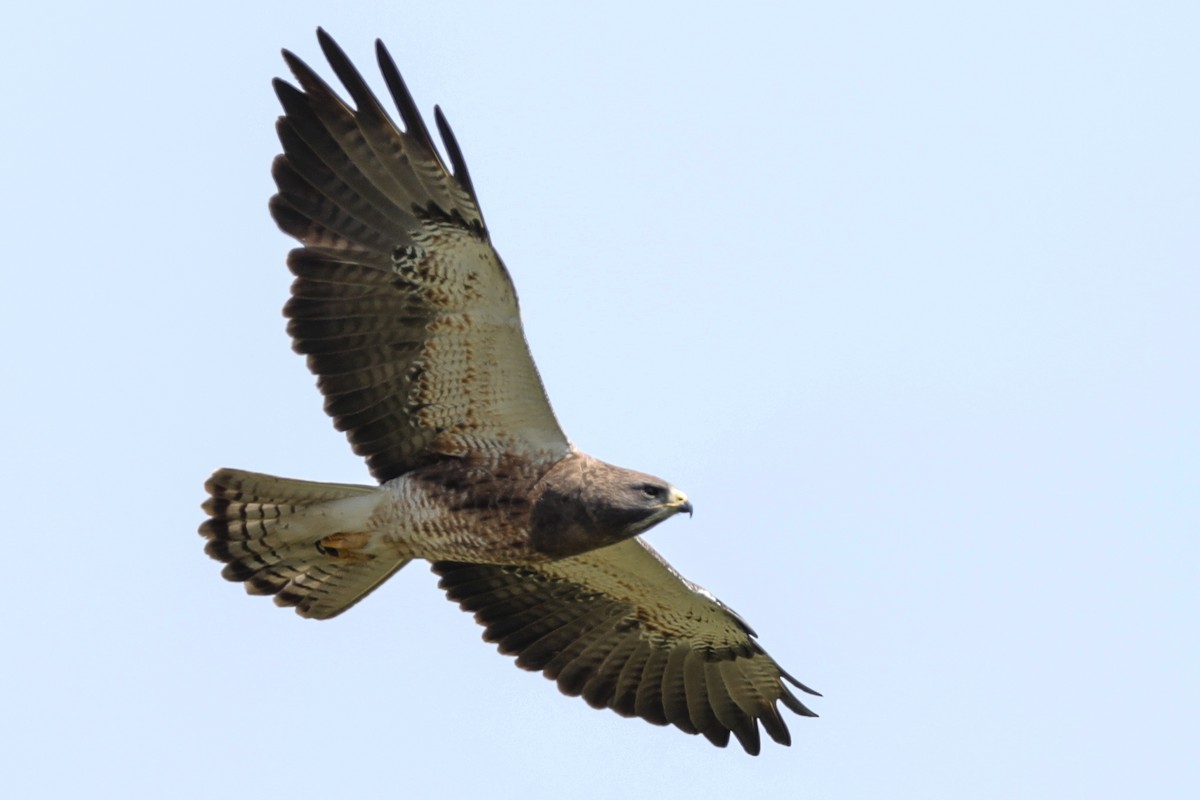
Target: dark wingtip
x,y
409,113
775,727
791,701
798,684
748,737
326,41
459,164
328,44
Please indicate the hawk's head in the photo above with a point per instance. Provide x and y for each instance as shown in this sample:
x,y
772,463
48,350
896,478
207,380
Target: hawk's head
x,y
583,503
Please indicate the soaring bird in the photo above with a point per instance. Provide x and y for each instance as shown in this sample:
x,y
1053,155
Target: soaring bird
x,y
409,320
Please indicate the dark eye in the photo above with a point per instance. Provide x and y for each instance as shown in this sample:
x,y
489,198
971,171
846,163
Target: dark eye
x,y
652,491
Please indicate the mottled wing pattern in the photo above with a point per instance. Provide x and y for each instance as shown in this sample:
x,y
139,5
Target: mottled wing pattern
x,y
621,628
403,308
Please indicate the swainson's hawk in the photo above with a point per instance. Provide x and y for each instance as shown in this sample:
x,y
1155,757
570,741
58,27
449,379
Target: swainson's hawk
x,y
409,320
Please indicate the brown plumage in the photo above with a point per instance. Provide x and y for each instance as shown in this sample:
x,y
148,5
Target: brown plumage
x,y
410,322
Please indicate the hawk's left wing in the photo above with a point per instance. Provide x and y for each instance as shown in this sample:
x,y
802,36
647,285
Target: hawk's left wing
x,y
623,629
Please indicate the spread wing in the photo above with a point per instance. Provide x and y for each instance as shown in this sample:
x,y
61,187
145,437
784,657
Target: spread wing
x,y
623,629
405,311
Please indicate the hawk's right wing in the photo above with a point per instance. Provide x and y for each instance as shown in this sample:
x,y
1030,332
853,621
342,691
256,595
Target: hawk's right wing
x,y
405,311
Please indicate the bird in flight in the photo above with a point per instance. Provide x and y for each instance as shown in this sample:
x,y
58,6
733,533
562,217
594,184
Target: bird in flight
x,y
409,320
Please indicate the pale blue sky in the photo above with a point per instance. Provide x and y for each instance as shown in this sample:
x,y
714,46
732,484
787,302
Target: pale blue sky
x,y
904,295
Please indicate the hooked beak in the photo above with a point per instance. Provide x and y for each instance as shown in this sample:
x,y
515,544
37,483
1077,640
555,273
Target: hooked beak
x,y
679,502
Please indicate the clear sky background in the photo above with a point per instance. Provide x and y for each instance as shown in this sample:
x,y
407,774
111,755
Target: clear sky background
x,y
904,295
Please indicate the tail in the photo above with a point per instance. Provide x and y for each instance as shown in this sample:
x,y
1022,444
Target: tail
x,y
302,541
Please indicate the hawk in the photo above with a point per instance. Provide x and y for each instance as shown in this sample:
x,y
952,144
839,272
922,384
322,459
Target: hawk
x,y
409,320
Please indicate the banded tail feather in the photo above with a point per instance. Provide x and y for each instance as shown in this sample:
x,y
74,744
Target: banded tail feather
x,y
304,542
